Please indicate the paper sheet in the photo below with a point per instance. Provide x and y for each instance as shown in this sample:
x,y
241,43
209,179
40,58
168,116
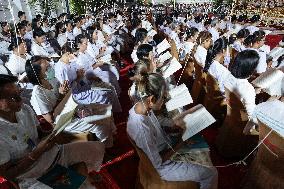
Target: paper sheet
x,y
106,58
66,116
180,97
171,68
196,121
165,57
164,45
151,33
270,81
276,53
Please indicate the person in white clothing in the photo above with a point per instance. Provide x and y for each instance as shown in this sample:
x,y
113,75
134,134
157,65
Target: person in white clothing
x,y
144,129
190,38
254,42
37,44
213,29
69,31
140,38
136,23
254,23
78,27
204,41
214,62
60,34
23,155
238,45
242,69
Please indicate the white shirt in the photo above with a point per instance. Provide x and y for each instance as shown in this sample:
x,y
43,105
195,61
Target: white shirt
x,y
28,35
70,36
220,73
39,50
262,65
65,71
238,46
174,36
200,55
187,47
252,29
133,32
244,90
3,70
214,33
62,39
77,31
43,100
16,64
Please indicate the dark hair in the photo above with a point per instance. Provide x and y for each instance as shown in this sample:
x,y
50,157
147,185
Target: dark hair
x,y
135,22
67,48
151,84
21,13
279,60
255,18
38,33
78,40
78,19
203,36
143,51
33,69
25,23
244,64
3,24
259,33
140,35
6,79
251,39
191,32
243,33
15,42
232,39
58,27
219,45
34,23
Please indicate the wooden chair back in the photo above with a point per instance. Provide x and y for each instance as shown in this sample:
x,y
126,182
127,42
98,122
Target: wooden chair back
x,y
174,50
231,141
198,88
268,167
149,178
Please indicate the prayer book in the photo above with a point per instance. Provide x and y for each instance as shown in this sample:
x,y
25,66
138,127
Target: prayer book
x,y
195,120
171,68
180,97
60,177
66,116
147,25
106,59
164,57
151,33
164,45
271,114
95,112
276,53
270,81
120,24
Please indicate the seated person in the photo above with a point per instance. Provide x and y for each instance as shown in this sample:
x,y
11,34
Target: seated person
x,y
22,154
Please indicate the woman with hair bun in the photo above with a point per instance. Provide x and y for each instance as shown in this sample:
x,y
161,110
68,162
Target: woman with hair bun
x,y
214,62
144,129
204,41
19,56
140,38
190,40
238,45
254,42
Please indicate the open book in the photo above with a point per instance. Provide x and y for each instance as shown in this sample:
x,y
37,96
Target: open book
x,y
147,25
65,117
120,24
164,45
271,114
151,33
106,59
171,68
276,53
165,57
180,97
195,120
270,81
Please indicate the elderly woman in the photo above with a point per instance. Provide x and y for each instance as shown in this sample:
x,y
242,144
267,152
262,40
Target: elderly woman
x,y
22,155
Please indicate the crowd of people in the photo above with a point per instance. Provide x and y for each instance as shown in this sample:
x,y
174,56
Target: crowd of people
x,y
44,60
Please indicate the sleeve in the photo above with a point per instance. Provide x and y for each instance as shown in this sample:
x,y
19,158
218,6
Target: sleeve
x,y
148,144
43,103
249,101
4,154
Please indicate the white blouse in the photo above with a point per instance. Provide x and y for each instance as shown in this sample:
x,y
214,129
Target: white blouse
x,y
77,31
262,65
65,71
200,55
238,46
220,73
187,47
43,100
214,33
16,64
244,90
39,50
62,39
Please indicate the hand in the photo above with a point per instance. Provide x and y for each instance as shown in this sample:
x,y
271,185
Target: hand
x,y
64,88
102,50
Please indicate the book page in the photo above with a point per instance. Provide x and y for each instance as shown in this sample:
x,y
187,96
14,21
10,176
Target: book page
x,y
196,121
106,58
164,57
66,116
171,68
164,45
271,114
151,33
180,97
101,111
271,81
276,53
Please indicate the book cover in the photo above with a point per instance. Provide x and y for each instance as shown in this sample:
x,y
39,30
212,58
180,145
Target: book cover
x,y
61,177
